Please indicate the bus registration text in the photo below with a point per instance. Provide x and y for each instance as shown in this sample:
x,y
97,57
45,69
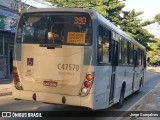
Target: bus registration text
x,y
68,67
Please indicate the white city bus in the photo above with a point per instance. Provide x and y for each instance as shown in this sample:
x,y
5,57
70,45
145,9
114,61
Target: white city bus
x,y
74,56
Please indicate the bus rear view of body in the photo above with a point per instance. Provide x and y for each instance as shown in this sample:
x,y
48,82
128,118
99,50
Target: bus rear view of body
x,y
58,59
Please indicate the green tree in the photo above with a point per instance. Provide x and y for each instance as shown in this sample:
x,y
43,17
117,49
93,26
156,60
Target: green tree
x,y
112,9
157,18
154,53
107,8
145,23
134,27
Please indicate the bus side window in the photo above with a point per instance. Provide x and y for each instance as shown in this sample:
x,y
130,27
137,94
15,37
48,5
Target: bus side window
x,y
103,45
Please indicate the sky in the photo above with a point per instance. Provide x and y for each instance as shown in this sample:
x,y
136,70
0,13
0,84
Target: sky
x,y
150,9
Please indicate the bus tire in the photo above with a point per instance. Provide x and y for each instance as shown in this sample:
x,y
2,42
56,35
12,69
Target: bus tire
x,y
121,98
17,99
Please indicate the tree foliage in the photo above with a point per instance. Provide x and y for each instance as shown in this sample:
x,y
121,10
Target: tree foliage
x,y
145,23
157,18
134,27
105,7
114,9
154,53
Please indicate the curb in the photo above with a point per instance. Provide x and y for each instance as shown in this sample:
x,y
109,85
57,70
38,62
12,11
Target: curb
x,y
5,88
4,94
153,69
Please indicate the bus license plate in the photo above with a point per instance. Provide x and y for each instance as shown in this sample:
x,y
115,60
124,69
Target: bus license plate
x,y
50,83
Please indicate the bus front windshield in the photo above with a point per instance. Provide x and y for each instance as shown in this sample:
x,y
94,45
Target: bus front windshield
x,y
55,28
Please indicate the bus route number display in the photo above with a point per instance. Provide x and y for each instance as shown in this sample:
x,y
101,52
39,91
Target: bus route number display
x,y
76,37
80,20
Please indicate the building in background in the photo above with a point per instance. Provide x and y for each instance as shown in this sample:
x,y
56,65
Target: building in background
x,y
8,21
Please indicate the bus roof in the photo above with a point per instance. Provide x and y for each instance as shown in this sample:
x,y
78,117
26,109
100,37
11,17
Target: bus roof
x,y
58,10
97,16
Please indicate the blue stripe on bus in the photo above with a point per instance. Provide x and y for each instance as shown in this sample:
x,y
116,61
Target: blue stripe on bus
x,y
88,60
18,52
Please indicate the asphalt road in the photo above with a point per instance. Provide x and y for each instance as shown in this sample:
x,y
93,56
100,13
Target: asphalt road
x,y
8,104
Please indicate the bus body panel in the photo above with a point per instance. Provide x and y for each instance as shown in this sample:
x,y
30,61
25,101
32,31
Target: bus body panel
x,y
63,67
125,74
52,98
138,76
102,86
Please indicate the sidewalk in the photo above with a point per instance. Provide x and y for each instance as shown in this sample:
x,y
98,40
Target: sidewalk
x,y
5,87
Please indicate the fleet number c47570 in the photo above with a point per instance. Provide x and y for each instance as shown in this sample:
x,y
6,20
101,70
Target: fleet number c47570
x,y
68,67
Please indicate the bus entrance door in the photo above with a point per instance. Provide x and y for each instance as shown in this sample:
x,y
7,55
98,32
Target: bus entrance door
x,y
114,59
